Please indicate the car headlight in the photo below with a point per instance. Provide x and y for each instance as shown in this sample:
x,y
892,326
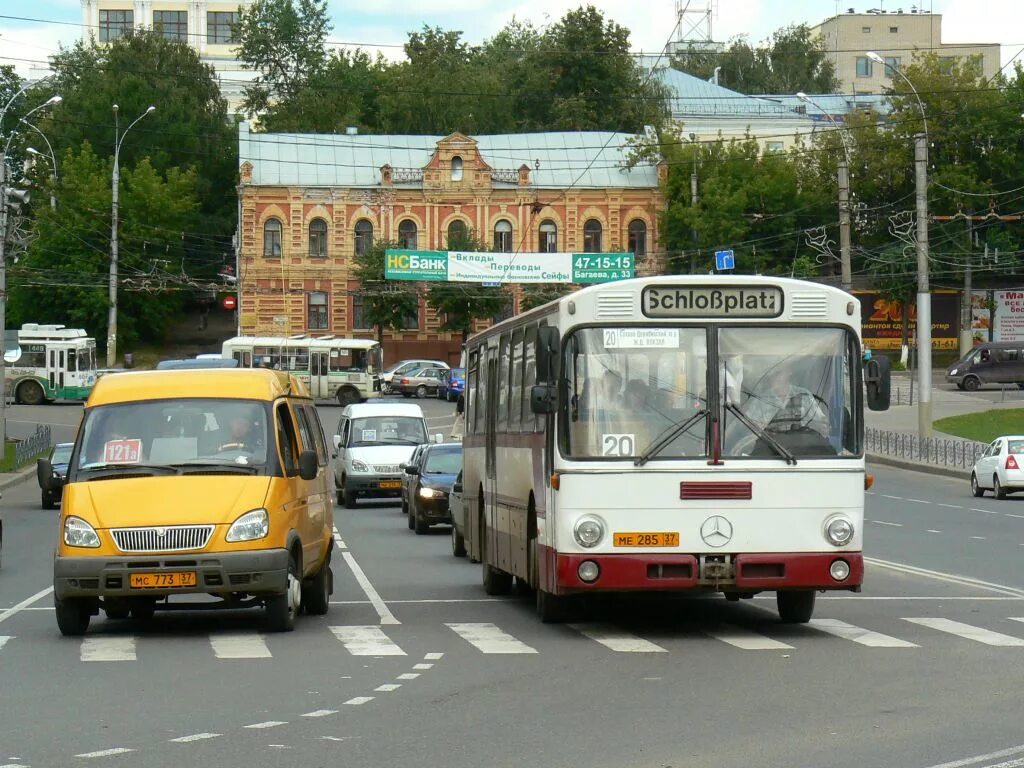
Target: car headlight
x,y
360,466
588,532
953,372
431,493
250,526
838,531
78,533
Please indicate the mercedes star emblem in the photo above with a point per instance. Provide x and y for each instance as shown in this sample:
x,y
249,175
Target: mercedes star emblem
x,y
716,531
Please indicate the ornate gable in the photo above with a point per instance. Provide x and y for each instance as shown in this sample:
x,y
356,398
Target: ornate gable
x,y
457,165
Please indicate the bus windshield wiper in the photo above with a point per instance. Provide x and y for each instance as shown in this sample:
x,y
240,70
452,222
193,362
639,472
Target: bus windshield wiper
x,y
667,436
200,466
104,471
779,449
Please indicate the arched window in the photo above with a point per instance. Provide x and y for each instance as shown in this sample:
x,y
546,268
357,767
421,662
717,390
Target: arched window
x,y
638,237
458,234
318,239
364,236
272,238
456,168
407,234
592,236
503,236
548,237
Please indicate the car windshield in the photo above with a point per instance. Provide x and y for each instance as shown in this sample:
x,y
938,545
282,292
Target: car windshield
x,y
1015,446
62,453
379,430
443,461
175,432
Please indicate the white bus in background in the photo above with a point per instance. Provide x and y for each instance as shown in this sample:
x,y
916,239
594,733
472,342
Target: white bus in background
x,y
344,369
50,362
679,434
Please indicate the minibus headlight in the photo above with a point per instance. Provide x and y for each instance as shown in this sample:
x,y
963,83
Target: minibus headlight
x,y
839,531
250,526
431,493
953,372
360,466
78,533
588,532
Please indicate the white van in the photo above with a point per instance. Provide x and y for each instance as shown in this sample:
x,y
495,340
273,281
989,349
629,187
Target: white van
x,y
371,443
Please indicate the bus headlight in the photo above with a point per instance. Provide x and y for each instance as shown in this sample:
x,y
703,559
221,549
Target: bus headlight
x,y
78,533
360,466
588,532
249,527
838,531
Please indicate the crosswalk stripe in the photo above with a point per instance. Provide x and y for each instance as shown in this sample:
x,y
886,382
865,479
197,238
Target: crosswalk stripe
x,y
366,641
969,632
108,649
744,638
4,639
240,646
859,634
195,737
617,640
489,639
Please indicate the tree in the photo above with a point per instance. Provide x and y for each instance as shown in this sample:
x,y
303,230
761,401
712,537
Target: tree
x,y
385,304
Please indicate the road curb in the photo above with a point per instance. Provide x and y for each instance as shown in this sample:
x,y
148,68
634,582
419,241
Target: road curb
x,y
17,478
928,469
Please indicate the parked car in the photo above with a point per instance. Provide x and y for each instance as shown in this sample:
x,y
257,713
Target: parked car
x,y
1000,468
989,363
457,511
423,382
434,477
406,366
453,385
59,458
409,480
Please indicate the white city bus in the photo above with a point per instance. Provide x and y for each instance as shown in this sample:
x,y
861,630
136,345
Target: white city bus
x,y
332,367
50,362
679,433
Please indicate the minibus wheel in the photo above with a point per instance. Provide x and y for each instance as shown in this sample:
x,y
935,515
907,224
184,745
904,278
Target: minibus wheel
x,y
282,607
72,616
972,384
116,609
316,595
143,608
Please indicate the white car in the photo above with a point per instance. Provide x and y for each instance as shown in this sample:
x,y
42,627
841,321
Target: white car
x,y
1000,468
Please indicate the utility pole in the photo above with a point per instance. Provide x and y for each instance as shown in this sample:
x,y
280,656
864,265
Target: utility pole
x,y
693,203
924,297
3,300
846,273
967,316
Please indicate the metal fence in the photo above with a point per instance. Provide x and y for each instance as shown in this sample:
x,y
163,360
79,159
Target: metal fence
x,y
29,448
941,451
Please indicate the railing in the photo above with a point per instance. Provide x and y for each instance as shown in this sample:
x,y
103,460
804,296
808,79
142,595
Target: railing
x,y
941,451
505,175
29,448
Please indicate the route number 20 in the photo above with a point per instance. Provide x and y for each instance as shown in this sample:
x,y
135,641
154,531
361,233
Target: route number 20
x,y
617,445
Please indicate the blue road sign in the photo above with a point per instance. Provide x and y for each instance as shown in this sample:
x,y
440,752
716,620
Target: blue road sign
x,y
490,285
724,260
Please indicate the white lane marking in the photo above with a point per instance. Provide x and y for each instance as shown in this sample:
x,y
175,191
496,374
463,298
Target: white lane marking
x,y
919,501
367,640
1017,618
24,604
745,639
952,578
978,538
386,616
107,649
932,530
388,687
433,657
883,522
415,602
1017,763
859,635
408,676
969,632
266,724
195,737
422,666
611,637
337,539
982,758
951,506
887,496
358,700
239,646
4,639
106,752
487,638
986,511
1019,517
321,713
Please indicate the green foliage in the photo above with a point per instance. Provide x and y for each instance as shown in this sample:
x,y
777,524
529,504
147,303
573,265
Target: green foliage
x,y
459,304
536,295
385,304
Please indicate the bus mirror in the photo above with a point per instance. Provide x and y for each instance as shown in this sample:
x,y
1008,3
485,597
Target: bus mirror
x,y
547,354
543,398
877,379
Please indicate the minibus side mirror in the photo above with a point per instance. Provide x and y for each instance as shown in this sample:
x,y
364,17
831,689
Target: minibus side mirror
x,y
412,469
548,345
308,466
48,481
878,381
543,398
337,442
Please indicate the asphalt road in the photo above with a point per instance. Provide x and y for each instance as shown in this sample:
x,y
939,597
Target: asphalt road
x,y
922,669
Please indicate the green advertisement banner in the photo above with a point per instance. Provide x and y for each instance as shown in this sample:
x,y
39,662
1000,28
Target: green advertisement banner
x,y
496,268
401,264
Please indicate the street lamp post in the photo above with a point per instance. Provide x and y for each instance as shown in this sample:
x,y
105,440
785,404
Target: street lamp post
x,y
112,287
52,158
924,297
843,179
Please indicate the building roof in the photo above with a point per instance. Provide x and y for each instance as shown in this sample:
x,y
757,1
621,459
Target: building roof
x,y
835,104
692,96
582,159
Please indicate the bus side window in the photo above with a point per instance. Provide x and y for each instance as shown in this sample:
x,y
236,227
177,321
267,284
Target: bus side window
x,y
529,378
502,384
286,440
515,403
473,399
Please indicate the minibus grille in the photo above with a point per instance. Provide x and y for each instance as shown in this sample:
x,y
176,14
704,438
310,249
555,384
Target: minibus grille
x,y
175,538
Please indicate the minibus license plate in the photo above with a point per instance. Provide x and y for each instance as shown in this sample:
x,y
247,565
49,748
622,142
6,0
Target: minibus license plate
x,y
636,539
162,580
390,483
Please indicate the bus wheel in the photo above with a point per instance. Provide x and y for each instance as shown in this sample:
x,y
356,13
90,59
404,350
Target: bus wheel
x,y
555,609
30,393
347,396
796,606
495,582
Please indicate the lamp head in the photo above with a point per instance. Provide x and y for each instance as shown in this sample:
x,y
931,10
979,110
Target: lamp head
x,y
150,108
54,100
875,57
802,96
33,151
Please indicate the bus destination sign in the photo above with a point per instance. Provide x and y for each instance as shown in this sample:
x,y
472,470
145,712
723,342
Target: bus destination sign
x,y
726,301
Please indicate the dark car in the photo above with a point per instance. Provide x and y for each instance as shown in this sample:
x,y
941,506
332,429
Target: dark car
x,y
453,385
408,480
432,481
60,456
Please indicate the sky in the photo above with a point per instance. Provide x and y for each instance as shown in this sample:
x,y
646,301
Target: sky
x,y
383,24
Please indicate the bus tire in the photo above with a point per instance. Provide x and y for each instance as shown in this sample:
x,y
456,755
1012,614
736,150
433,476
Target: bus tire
x,y
795,606
348,396
554,609
495,582
30,393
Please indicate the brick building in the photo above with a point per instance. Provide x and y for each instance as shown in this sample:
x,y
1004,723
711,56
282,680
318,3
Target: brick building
x,y
309,202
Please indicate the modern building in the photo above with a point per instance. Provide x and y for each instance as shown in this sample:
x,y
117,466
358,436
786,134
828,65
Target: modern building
x,y
310,202
895,36
206,25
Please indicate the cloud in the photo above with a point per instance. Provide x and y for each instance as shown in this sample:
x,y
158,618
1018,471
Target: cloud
x,y
29,47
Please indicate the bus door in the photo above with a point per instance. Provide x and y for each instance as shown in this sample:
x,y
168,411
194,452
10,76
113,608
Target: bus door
x,y
244,357
319,385
55,368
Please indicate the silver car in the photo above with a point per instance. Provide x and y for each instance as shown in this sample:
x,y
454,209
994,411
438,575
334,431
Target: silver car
x,y
1000,468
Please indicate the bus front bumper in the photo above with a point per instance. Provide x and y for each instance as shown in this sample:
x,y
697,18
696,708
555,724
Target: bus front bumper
x,y
716,573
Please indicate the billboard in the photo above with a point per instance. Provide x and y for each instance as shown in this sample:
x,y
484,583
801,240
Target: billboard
x,y
881,320
1009,311
511,268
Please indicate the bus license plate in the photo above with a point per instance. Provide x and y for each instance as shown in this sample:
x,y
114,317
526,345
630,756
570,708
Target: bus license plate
x,y
636,539
162,580
390,483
